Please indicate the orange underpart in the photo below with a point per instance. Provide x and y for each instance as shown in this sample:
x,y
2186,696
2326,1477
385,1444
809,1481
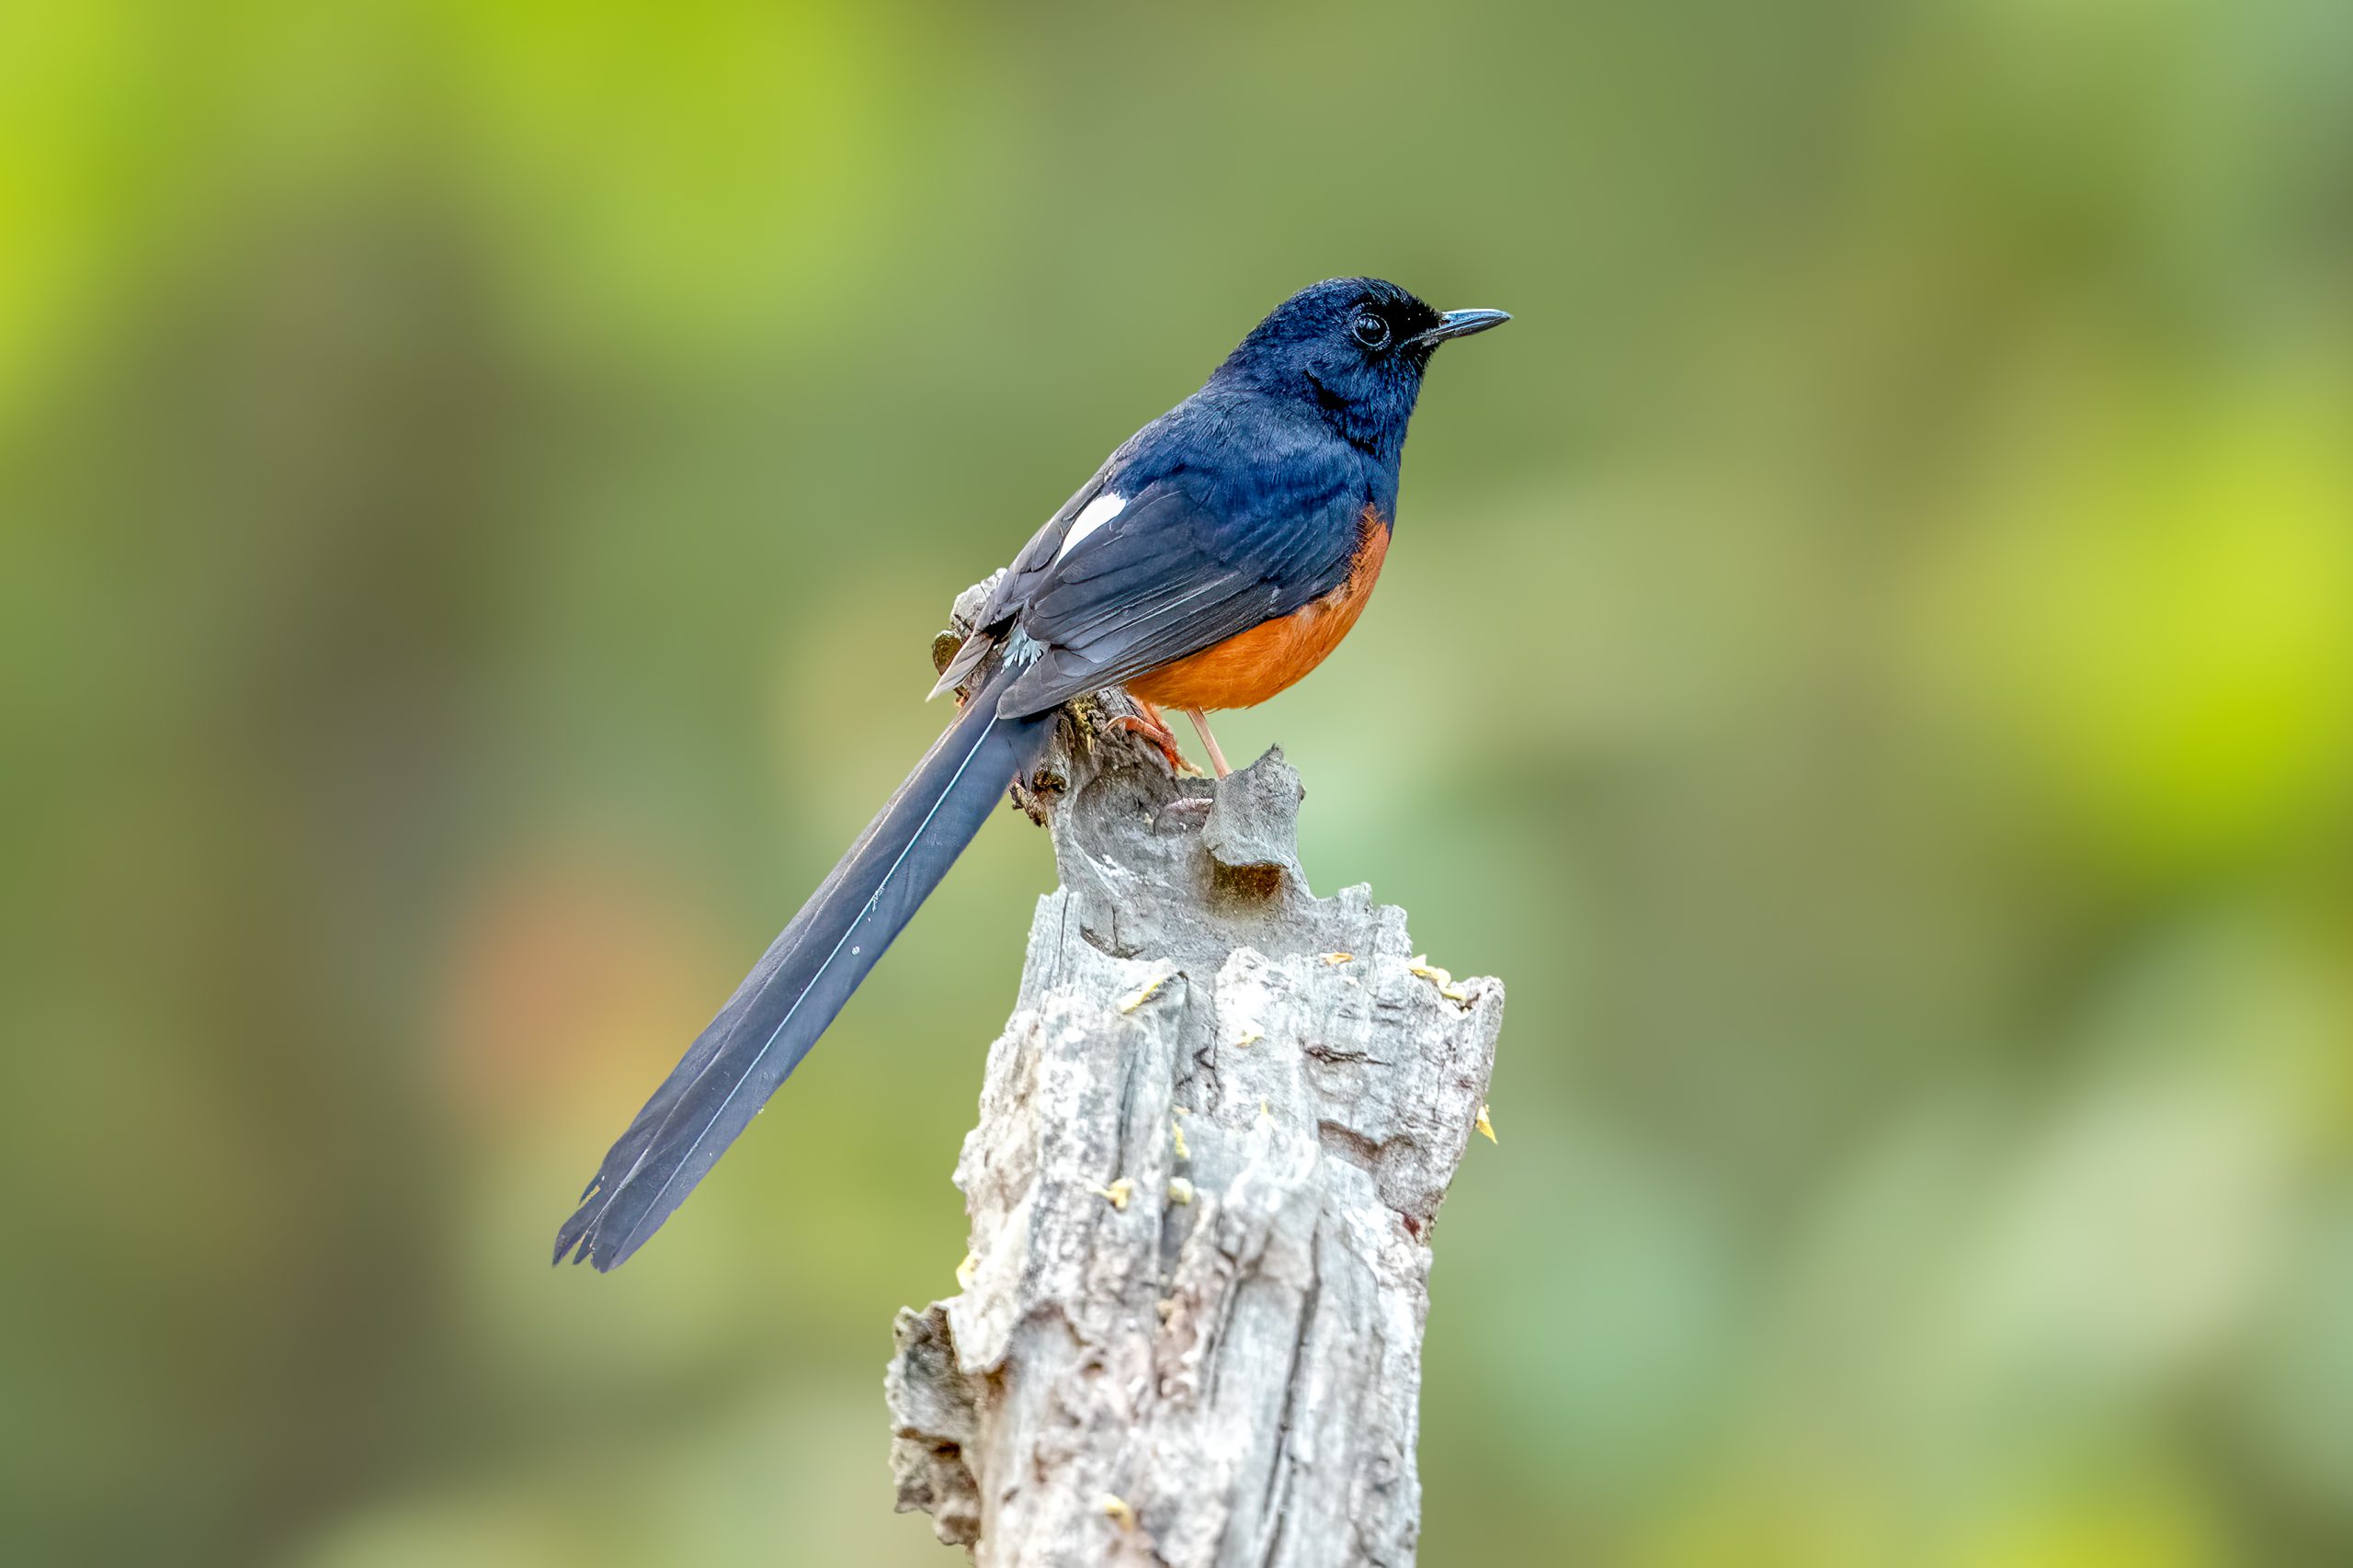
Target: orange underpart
x,y
1246,669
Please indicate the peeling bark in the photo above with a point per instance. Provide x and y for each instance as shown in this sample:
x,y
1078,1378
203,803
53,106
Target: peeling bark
x,y
1213,1142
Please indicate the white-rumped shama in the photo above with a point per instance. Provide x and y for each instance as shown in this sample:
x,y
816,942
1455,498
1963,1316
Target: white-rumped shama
x,y
1216,558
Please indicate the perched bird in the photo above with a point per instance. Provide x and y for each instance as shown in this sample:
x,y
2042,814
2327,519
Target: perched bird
x,y
1216,558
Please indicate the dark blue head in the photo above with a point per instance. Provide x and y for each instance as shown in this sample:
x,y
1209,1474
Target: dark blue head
x,y
1355,348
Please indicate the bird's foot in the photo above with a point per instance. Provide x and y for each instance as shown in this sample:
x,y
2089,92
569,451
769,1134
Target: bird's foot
x,y
1157,736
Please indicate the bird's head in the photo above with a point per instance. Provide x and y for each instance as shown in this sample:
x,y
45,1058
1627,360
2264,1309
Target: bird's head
x,y
1354,348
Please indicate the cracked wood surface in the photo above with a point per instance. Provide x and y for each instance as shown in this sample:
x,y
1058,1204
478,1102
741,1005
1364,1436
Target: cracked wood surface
x,y
1213,1139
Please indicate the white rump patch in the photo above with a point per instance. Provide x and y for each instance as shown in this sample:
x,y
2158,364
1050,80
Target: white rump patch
x,y
1093,516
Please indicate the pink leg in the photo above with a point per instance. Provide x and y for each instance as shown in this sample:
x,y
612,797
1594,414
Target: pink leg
x,y
1217,758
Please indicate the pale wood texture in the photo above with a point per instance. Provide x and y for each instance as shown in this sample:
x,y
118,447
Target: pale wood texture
x,y
1213,1139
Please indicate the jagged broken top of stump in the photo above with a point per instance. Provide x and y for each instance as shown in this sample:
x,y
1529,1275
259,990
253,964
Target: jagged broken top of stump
x,y
1213,1139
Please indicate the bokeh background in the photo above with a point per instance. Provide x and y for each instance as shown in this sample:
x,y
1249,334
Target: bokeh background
x,y
1868,657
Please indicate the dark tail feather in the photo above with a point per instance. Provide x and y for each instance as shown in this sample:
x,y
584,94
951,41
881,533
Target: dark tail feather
x,y
744,1055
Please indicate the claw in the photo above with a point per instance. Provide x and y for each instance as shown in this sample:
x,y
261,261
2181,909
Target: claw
x,y
1158,738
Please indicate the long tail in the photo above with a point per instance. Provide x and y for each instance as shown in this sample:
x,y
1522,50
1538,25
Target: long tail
x,y
744,1055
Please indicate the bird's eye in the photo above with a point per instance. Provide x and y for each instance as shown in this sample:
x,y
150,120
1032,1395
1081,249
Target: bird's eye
x,y
1370,330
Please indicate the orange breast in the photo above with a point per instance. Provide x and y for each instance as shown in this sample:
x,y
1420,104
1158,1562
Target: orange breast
x,y
1246,669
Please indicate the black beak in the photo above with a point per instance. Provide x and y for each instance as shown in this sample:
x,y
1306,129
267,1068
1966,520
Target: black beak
x,y
1457,323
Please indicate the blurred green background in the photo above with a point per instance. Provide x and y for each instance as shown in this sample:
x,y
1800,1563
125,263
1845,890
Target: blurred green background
x,y
1868,657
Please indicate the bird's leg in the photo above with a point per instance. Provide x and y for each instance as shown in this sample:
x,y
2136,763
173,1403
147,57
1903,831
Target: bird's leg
x,y
1201,722
1155,732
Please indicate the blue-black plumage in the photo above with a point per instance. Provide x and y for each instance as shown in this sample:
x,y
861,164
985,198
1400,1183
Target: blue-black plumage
x,y
1212,560
744,1054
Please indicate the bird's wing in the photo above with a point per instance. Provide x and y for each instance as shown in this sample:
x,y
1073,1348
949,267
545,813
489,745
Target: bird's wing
x,y
1183,566
1030,569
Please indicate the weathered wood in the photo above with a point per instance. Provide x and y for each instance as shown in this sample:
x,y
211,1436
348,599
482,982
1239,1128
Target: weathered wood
x,y
1213,1139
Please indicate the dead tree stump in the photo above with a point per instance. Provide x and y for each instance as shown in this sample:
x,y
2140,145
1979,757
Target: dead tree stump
x,y
1213,1139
